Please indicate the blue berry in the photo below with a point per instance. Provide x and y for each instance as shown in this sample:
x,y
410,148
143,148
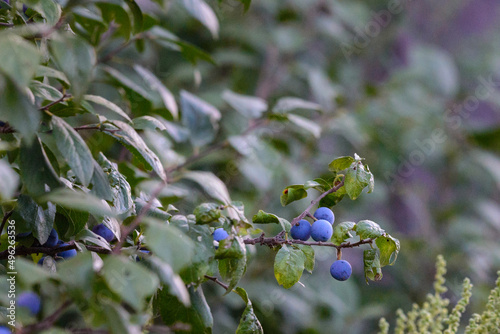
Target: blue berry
x,y
31,301
40,262
138,258
67,254
325,213
4,330
341,270
104,232
321,230
301,231
24,234
220,234
52,240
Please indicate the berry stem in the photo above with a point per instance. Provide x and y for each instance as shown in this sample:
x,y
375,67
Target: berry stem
x,y
339,253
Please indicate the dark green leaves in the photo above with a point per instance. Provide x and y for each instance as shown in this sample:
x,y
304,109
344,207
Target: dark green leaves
x,y
268,218
206,213
388,247
233,262
372,267
293,193
203,13
19,60
368,229
340,164
341,232
76,59
40,220
249,324
288,266
74,150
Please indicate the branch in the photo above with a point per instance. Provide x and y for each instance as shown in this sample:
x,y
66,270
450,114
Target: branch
x,y
51,104
47,322
277,241
117,50
51,250
216,280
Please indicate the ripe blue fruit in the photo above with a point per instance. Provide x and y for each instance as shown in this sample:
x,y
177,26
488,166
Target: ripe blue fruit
x,y
40,262
301,231
321,230
324,213
52,240
138,258
4,330
31,301
67,254
341,270
104,232
220,234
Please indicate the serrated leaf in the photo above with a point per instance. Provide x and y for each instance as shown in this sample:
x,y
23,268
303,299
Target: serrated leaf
x,y
121,190
287,104
372,268
131,281
368,229
39,220
206,213
248,106
74,149
249,324
341,232
157,86
134,143
200,117
292,193
288,266
268,218
309,254
19,60
340,164
108,105
9,181
76,59
356,179
388,246
203,13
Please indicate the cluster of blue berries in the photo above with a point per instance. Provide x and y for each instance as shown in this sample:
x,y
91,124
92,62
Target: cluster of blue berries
x,y
322,230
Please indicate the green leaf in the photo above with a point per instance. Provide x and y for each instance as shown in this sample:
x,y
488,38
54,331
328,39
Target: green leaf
x,y
39,220
117,318
157,86
19,60
131,281
388,247
232,269
17,108
356,179
48,72
137,14
30,273
167,242
292,193
135,144
203,259
341,232
100,183
288,266
207,213
248,106
203,13
340,164
372,267
108,105
287,104
211,184
200,118
333,198
44,91
79,200
268,218
74,150
368,229
117,14
305,124
174,282
249,324
77,221
148,123
77,272
50,10
76,59
121,190
89,236
9,181
36,170
198,315
313,184
309,254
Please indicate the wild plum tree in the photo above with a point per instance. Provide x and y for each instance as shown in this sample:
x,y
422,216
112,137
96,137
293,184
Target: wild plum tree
x,y
95,152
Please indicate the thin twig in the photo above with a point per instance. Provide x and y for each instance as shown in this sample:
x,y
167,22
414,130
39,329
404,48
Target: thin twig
x,y
47,322
216,280
51,104
51,250
277,241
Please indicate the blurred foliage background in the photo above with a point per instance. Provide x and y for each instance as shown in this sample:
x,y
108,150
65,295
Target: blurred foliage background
x,y
404,88
412,86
